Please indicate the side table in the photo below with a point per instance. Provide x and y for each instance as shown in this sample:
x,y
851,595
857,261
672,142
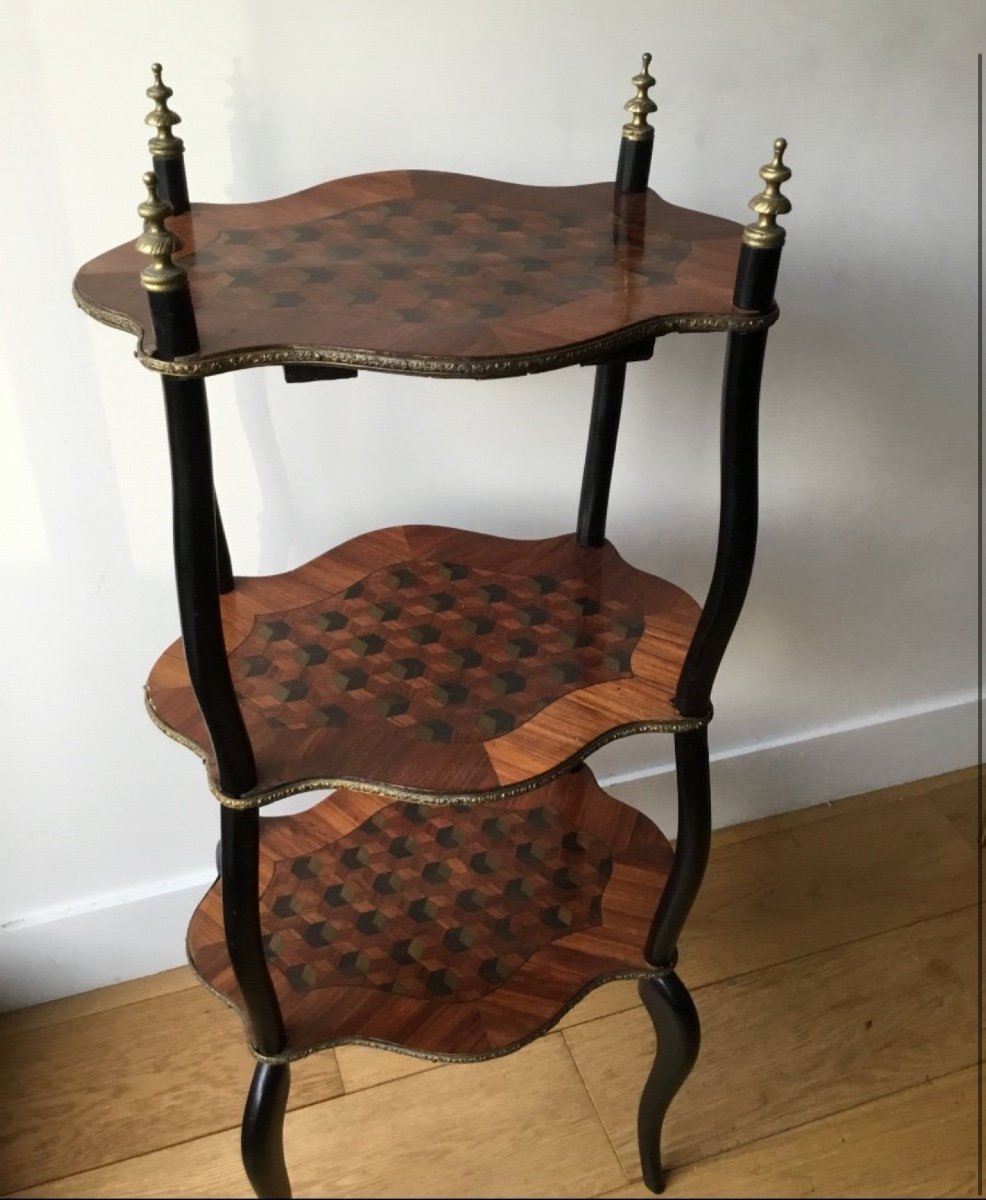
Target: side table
x,y
468,881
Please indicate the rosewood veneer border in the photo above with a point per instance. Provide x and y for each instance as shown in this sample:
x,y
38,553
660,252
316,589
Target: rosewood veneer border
x,y
395,792
290,1056
583,353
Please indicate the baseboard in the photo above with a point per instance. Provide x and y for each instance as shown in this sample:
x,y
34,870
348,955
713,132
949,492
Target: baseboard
x,y
756,781
79,951
122,936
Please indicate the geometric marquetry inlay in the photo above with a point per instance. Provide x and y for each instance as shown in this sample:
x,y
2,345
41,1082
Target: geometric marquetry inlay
x,y
422,901
435,252
441,651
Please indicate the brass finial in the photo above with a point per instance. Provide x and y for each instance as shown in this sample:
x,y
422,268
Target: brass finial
x,y
164,144
764,232
162,275
637,129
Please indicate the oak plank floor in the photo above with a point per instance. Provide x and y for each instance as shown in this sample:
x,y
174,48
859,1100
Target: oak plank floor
x,y
133,1078
789,1044
913,1143
832,955
453,1131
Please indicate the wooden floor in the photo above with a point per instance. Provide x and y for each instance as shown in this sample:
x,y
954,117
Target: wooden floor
x,y
832,956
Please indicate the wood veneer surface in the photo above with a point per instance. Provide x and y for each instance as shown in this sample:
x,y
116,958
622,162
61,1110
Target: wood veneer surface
x,y
453,930
436,663
431,272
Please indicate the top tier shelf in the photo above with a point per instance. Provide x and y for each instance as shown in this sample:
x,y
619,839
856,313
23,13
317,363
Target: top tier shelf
x,y
427,273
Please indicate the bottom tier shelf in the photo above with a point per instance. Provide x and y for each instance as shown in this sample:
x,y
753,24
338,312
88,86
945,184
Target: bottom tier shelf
x,y
449,931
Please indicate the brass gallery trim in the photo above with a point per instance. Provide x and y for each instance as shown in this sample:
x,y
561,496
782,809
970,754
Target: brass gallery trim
x,y
414,796
434,1055
458,368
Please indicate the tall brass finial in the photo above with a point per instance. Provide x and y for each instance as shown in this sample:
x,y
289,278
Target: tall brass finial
x,y
764,232
164,144
162,275
637,129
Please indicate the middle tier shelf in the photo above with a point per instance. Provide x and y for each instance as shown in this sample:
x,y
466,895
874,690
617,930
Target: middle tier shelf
x,y
433,663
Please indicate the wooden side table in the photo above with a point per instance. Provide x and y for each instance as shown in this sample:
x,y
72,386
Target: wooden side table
x,y
468,881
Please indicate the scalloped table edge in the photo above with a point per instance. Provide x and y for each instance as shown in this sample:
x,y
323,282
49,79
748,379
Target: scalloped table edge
x,y
259,799
465,367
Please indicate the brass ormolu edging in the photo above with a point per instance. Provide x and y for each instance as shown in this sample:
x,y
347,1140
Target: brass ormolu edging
x,y
764,233
432,1055
640,106
106,316
163,274
446,367
429,1055
396,792
164,144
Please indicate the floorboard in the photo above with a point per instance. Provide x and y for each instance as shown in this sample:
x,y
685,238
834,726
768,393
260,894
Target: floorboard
x,y
516,1126
793,1043
128,1080
920,1142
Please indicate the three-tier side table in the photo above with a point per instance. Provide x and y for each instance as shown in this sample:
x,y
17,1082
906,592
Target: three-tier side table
x,y
468,881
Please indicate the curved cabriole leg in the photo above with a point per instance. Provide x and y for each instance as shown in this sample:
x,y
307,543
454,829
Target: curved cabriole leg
x,y
678,1036
262,1135
261,1139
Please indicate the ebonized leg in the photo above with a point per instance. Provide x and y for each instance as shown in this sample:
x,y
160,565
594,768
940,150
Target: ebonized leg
x,y
262,1135
678,1036
604,425
691,853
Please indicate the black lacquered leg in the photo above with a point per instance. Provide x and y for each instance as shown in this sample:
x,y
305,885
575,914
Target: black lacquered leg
x,y
262,1135
197,572
678,1037
597,475
691,755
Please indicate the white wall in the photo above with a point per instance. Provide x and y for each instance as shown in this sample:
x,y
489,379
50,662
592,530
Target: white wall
x,y
859,635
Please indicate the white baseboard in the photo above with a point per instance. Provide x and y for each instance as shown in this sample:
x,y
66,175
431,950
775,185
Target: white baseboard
x,y
79,951
126,935
756,781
